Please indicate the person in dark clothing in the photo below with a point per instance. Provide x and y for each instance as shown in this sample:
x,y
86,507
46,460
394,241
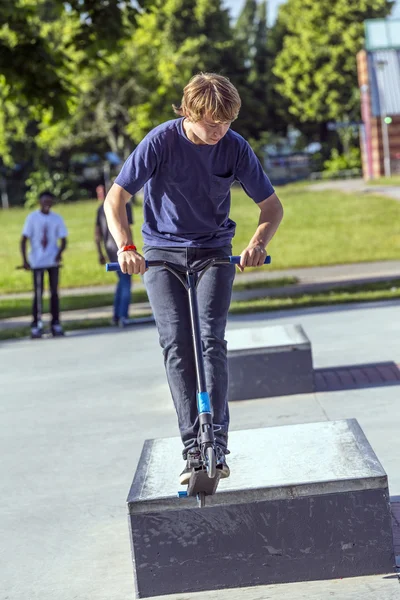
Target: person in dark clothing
x,y
103,238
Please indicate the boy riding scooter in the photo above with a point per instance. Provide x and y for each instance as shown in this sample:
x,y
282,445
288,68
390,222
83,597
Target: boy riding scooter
x,y
187,167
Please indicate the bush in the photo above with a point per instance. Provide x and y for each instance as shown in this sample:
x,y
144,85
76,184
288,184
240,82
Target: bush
x,y
342,162
63,186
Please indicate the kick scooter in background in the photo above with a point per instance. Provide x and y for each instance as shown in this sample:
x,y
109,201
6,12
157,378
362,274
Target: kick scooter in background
x,y
205,475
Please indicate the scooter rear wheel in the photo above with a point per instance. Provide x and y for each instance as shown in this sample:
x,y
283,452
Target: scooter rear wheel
x,y
211,462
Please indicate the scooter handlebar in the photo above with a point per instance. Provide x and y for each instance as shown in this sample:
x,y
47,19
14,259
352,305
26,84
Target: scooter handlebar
x,y
114,266
236,260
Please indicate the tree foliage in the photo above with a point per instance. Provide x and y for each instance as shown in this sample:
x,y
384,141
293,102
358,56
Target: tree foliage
x,y
45,48
172,42
316,66
86,77
36,64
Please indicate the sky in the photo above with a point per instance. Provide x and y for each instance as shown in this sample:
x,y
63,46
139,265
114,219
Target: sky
x,y
235,7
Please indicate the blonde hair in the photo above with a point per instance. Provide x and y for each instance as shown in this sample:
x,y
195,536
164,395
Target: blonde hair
x,y
209,93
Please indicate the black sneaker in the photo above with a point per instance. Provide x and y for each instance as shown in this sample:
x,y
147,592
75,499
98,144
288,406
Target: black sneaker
x,y
36,332
193,461
221,462
57,330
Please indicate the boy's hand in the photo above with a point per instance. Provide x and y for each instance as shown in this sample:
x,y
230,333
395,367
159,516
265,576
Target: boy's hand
x,y
27,266
132,262
252,256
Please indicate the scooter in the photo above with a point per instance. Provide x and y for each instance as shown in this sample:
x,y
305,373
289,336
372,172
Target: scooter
x,y
205,477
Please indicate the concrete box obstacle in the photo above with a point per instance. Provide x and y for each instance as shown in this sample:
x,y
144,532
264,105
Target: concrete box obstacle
x,y
304,502
269,361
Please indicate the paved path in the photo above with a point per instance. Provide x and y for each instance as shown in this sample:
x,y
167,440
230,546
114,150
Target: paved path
x,y
305,275
357,186
73,418
310,280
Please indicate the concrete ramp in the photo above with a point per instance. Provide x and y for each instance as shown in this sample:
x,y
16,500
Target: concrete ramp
x,y
304,502
269,361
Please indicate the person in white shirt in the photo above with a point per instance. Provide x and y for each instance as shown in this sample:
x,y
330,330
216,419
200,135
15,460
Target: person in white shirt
x,y
44,229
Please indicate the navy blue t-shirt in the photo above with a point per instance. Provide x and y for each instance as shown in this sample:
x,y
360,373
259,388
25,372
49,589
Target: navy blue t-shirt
x,y
187,186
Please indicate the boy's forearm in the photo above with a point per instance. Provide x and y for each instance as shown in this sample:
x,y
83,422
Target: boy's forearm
x,y
264,232
117,220
270,218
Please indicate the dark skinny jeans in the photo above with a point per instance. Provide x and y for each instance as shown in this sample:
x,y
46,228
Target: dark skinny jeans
x,y
170,305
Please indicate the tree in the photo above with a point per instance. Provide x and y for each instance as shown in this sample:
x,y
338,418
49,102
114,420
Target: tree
x,y
172,42
245,26
316,67
253,35
98,121
34,66
44,45
30,67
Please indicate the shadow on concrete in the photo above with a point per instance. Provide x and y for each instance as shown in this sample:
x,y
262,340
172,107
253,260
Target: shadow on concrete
x,y
139,323
352,377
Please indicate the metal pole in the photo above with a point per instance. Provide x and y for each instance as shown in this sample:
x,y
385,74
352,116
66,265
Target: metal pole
x,y
197,345
365,130
384,128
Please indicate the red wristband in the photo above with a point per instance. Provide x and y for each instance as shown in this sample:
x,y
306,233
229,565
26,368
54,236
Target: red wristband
x,y
127,248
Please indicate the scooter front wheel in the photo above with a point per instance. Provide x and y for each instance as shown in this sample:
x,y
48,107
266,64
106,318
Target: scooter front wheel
x,y
211,462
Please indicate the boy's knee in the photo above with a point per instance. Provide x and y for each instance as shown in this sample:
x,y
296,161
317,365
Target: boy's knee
x,y
214,343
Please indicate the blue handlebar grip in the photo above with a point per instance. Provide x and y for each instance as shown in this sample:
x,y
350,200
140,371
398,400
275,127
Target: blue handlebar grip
x,y
115,266
236,260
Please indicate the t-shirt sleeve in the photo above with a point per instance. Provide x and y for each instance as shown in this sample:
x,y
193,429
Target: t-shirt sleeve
x,y
27,229
129,213
138,167
62,231
251,175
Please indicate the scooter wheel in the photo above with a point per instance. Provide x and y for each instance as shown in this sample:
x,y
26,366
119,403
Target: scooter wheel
x,y
211,462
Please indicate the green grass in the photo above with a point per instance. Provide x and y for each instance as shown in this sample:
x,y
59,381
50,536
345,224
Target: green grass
x,y
310,300
390,181
319,228
344,295
19,307
239,286
329,227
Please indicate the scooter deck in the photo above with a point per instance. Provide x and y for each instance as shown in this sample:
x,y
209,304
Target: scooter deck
x,y
200,482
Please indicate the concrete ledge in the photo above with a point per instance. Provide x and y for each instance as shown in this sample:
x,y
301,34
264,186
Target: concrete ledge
x,y
271,361
304,502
